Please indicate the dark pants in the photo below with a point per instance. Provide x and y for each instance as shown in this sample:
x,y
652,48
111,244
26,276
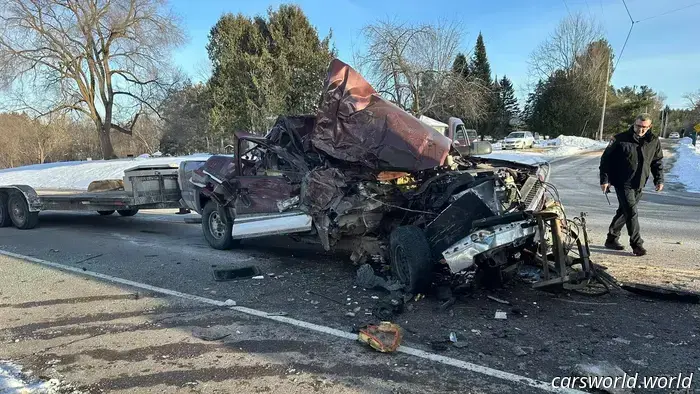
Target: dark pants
x,y
626,215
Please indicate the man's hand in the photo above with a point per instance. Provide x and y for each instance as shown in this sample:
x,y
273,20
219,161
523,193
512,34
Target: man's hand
x,y
659,187
605,187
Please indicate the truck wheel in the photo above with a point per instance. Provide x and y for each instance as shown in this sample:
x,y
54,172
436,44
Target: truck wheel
x,y
4,212
217,230
411,259
105,213
127,212
19,212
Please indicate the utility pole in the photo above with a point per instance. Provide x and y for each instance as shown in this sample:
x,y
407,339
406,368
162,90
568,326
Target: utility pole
x,y
605,99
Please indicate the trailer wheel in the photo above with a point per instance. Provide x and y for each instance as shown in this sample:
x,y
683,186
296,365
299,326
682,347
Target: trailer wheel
x,y
19,212
217,230
105,213
128,212
5,220
411,259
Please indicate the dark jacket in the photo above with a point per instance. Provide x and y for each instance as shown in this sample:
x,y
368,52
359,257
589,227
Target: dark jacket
x,y
628,160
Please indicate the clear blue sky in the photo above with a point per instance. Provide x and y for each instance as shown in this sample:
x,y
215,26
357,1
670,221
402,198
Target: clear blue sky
x,y
663,52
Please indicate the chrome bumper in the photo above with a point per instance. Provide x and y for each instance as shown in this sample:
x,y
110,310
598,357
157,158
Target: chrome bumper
x,y
461,255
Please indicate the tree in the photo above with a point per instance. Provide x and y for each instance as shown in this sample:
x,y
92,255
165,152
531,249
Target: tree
x,y
104,59
571,67
480,68
507,108
263,68
301,58
461,66
412,65
563,49
186,127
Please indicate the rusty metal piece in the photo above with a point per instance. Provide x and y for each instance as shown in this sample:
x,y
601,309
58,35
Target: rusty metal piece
x,y
355,124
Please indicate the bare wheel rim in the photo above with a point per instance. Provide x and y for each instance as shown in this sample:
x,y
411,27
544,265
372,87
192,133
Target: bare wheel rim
x,y
216,226
402,269
17,211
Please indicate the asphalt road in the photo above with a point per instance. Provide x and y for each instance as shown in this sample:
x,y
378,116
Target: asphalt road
x,y
556,331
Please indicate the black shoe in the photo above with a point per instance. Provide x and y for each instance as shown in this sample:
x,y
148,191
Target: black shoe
x,y
639,250
614,244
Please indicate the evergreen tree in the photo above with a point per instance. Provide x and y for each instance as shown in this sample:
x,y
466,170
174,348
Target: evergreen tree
x,y
507,106
461,65
263,68
480,67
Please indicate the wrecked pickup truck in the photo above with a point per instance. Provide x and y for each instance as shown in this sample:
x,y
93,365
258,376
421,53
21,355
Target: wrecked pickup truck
x,y
364,174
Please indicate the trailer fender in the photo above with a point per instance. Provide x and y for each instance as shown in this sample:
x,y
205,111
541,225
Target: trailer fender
x,y
30,195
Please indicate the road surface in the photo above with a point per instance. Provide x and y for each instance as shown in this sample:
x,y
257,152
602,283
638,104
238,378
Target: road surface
x,y
99,336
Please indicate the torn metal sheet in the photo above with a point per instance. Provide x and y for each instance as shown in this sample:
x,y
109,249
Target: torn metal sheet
x,y
355,124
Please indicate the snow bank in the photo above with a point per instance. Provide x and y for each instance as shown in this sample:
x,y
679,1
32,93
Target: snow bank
x,y
567,145
77,175
687,166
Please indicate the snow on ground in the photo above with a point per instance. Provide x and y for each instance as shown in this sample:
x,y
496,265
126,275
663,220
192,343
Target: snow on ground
x,y
561,146
14,380
77,175
687,166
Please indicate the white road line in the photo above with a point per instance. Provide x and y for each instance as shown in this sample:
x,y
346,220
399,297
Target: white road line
x,y
306,325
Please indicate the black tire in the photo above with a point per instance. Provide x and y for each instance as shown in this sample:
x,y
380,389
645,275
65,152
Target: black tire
x,y
411,259
19,212
105,213
127,212
221,236
5,220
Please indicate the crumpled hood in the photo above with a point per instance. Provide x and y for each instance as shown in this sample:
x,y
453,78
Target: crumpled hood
x,y
355,124
514,139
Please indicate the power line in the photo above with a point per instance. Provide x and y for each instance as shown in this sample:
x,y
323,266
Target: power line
x,y
567,7
623,47
669,12
628,11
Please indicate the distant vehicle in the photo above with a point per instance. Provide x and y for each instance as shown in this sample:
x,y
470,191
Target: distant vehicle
x,y
674,135
519,140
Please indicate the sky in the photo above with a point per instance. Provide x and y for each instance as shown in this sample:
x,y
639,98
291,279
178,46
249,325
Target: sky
x,y
663,51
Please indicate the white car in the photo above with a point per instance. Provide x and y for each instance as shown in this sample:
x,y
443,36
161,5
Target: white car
x,y
519,140
674,135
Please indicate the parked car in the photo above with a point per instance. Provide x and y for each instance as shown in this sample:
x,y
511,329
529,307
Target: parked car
x,y
365,174
519,140
674,135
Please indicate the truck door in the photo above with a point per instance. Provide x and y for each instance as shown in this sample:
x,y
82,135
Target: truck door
x,y
263,182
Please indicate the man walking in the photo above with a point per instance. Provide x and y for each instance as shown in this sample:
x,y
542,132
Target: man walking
x,y
626,164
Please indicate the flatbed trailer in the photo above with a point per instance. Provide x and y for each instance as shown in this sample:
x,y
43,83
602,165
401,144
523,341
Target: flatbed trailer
x,y
143,187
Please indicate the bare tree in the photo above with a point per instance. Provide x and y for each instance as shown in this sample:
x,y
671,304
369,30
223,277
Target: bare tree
x,y
105,59
564,48
693,99
412,66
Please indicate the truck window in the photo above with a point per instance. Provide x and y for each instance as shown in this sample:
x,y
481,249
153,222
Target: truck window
x,y
465,136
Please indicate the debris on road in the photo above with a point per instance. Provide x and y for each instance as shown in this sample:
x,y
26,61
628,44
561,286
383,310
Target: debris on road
x,y
501,315
384,337
258,277
230,302
601,369
210,333
500,301
662,293
230,273
523,350
366,278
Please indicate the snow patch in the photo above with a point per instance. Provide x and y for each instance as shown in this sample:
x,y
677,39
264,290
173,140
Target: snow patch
x,y
567,145
687,166
14,380
77,175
